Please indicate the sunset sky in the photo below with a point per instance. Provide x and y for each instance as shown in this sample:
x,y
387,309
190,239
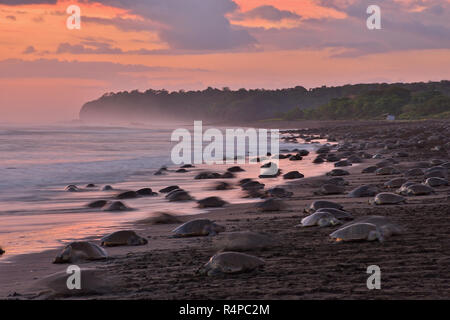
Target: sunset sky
x,y
48,71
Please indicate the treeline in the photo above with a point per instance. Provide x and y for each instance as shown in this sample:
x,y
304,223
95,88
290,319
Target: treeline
x,y
377,104
348,101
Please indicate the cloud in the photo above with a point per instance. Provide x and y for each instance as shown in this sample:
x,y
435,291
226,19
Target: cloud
x,y
95,47
267,12
29,50
13,18
25,2
189,24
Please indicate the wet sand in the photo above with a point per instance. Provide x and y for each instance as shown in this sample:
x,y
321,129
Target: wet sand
x,y
305,264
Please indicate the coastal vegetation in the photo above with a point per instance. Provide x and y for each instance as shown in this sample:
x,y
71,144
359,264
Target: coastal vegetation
x,y
359,101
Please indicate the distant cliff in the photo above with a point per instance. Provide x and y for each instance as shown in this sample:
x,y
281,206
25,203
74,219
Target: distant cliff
x,y
372,100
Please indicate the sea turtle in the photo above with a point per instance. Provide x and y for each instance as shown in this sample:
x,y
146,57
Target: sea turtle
x,y
358,232
92,281
388,198
160,218
198,227
252,185
271,205
338,172
230,263
116,206
211,202
97,204
395,183
228,175
146,192
327,189
107,188
207,175
293,175
318,204
370,169
417,189
2,251
123,238
127,195
384,171
79,251
436,182
72,188
339,181
222,185
414,172
363,191
338,214
91,185
178,195
169,189
385,224
279,192
235,169
342,163
321,219
243,241
405,186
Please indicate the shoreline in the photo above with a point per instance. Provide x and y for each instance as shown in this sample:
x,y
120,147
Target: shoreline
x,y
306,264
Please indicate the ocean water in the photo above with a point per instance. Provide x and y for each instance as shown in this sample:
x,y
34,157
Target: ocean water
x,y
36,163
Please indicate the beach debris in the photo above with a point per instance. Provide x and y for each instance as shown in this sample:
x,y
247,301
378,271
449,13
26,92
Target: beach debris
x,y
319,204
116,206
230,263
363,191
243,241
293,175
211,202
321,219
81,251
198,227
123,238
168,189
386,198
271,205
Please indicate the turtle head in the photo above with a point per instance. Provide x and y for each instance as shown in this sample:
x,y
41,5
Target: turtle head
x,y
64,256
215,228
376,234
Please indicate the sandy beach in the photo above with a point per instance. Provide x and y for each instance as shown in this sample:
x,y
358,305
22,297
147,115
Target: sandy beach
x,y
304,263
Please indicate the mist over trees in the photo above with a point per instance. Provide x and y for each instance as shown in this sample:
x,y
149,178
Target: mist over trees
x,y
360,101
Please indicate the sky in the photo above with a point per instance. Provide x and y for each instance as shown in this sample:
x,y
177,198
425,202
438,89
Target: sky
x,y
48,71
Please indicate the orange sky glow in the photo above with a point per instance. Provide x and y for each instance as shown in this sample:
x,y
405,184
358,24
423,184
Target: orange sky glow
x,y
49,71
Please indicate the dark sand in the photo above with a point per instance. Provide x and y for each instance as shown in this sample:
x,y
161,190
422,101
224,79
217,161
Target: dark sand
x,y
305,264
